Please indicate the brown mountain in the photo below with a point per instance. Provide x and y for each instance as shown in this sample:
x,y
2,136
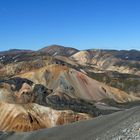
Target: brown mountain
x,y
58,85
59,50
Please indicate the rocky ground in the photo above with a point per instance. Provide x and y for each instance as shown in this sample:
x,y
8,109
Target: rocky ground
x,y
123,125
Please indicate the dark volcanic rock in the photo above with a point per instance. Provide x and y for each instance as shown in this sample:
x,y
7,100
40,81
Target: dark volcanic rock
x,y
40,94
17,82
63,101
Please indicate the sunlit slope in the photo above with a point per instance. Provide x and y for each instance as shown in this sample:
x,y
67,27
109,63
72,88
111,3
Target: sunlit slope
x,y
76,84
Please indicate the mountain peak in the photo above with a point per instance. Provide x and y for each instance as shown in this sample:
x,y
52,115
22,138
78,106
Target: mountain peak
x,y
59,50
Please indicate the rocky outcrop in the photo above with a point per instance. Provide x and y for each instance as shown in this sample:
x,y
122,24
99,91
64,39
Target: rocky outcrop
x,y
29,117
37,93
24,106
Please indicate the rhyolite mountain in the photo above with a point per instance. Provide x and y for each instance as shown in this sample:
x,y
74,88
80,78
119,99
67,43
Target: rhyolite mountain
x,y
58,85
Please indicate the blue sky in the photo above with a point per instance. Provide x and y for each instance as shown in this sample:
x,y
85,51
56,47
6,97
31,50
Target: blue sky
x,y
103,24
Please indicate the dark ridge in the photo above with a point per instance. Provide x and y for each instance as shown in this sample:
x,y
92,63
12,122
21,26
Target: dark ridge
x,y
40,94
30,117
76,105
126,82
17,82
13,51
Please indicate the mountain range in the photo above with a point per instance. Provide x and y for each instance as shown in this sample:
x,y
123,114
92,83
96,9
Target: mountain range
x,y
59,85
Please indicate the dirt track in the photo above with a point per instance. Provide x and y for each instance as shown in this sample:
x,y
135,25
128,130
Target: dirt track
x,y
122,125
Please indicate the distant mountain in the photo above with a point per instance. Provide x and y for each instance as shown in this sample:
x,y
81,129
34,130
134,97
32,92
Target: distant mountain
x,y
59,50
14,51
113,60
13,55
